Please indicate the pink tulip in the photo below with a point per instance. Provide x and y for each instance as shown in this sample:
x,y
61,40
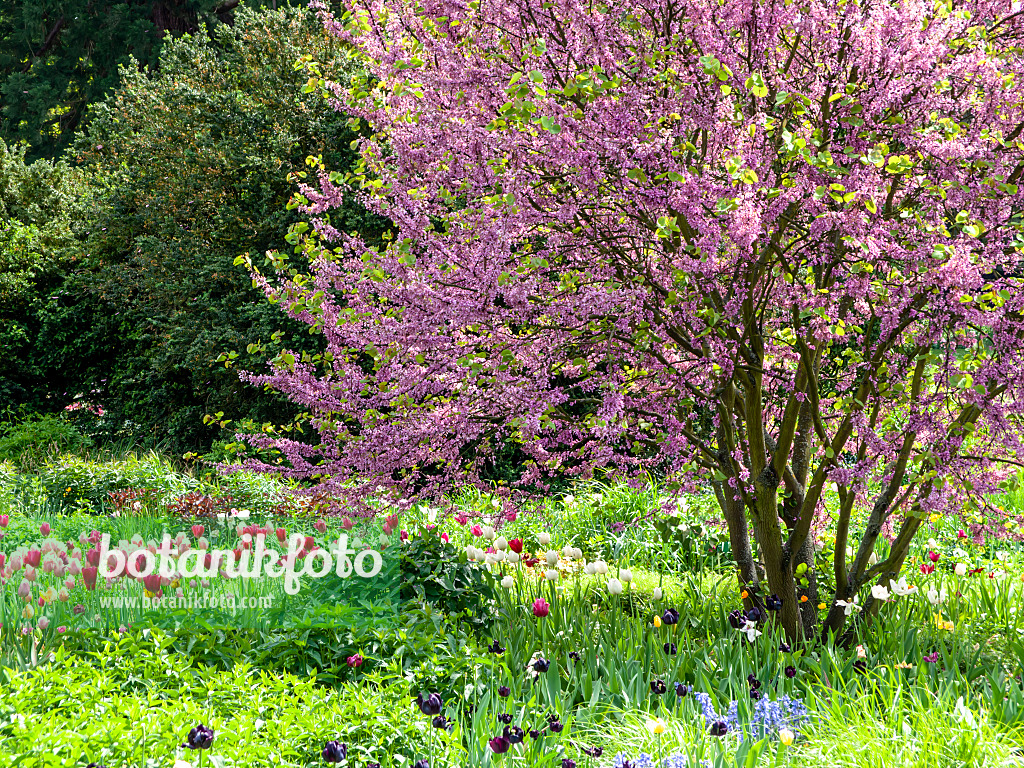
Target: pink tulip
x,y
24,589
152,582
347,524
32,557
3,559
4,520
43,623
45,530
30,573
89,576
320,525
404,535
476,530
444,537
197,530
282,534
461,519
541,608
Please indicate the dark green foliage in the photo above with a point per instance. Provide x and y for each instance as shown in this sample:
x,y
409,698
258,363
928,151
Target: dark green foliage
x,y
29,441
187,169
59,56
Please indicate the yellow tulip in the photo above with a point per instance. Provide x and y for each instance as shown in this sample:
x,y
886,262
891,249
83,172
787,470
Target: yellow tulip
x,y
786,736
657,621
656,726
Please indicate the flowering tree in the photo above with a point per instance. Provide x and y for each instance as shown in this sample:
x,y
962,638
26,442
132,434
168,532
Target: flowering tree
x,y
770,245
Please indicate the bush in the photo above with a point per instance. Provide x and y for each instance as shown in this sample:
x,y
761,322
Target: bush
x,y
30,440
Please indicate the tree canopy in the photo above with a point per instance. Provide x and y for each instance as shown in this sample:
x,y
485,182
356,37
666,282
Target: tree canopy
x,y
769,245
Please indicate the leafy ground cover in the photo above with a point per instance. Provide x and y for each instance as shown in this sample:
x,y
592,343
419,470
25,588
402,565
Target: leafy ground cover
x,y
602,628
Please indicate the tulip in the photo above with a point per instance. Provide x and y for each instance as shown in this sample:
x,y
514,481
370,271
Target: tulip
x,y
500,543
658,687
496,648
24,589
33,557
880,592
4,520
442,722
625,575
431,705
199,737
600,567
516,545
43,623
541,665
334,752
933,556
504,691
63,595
682,690
320,525
670,649
551,575
514,734
567,762
552,558
419,764
461,519
670,617
488,532
656,726
555,725
476,530
499,745
541,608
656,621
960,569
790,671
355,661
508,582
786,736
719,728
773,603
505,718
512,557
615,586
45,529
544,539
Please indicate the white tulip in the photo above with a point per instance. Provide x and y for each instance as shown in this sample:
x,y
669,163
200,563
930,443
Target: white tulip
x,y
933,544
491,558
880,592
615,586
960,569
551,575
512,557
500,543
625,575
900,587
544,539
600,567
471,552
489,532
577,554
590,569
508,582
658,594
873,559
936,598
552,557
567,552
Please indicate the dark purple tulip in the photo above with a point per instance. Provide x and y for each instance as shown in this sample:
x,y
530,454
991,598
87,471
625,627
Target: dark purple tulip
x,y
505,717
431,705
373,765
754,614
682,690
670,649
556,726
496,648
535,734
421,764
593,751
860,666
658,687
442,722
790,671
334,752
773,603
541,665
95,765
719,729
504,691
499,745
574,655
755,694
784,647
736,619
670,617
753,682
199,737
514,734
567,763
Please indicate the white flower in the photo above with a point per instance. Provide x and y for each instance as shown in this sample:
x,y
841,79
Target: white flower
x,y
512,557
750,630
615,586
1002,555
577,554
500,543
567,552
625,575
850,606
552,557
551,575
901,588
543,539
658,594
508,582
849,552
590,569
960,553
569,500
960,569
873,559
489,532
936,598
880,592
492,558
933,544
600,567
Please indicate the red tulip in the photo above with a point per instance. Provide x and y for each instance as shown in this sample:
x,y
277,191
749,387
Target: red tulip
x,y
89,576
282,534
927,568
933,556
320,525
197,530
516,545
